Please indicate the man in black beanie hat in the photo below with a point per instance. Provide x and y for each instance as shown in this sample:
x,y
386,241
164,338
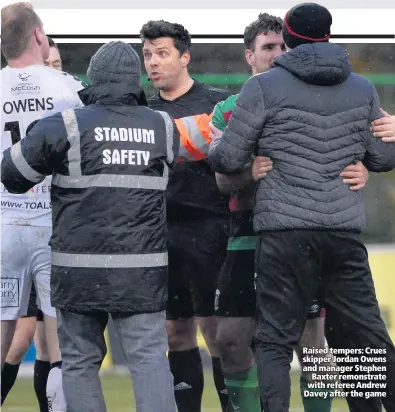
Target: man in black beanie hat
x,y
311,115
109,163
306,23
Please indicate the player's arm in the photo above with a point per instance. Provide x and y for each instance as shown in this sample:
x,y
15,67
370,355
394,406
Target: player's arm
x,y
380,155
233,152
194,137
195,133
223,111
228,184
29,161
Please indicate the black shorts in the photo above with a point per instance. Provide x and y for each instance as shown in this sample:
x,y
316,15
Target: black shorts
x,y
197,251
235,295
32,309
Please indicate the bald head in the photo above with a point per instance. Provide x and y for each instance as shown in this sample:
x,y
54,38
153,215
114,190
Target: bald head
x,y
21,30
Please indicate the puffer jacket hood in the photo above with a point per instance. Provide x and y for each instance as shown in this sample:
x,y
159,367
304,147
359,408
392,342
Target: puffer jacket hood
x,y
113,93
323,64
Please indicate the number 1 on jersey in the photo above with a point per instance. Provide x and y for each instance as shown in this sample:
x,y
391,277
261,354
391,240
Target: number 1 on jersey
x,y
14,129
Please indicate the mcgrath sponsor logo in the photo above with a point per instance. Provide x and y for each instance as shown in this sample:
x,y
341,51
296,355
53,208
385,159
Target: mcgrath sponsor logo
x,y
25,88
9,292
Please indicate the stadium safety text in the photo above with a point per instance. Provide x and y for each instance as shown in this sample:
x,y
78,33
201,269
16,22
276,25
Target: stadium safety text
x,y
125,156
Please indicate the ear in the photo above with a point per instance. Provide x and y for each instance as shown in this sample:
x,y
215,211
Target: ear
x,y
249,55
38,35
185,58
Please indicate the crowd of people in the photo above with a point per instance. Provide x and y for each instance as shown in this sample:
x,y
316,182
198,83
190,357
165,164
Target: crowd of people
x,y
236,214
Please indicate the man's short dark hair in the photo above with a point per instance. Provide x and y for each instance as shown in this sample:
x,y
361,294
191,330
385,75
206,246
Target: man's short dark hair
x,y
263,24
160,28
52,43
18,21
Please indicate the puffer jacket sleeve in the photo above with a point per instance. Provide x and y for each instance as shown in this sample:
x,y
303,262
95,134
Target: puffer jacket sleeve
x,y
232,153
29,161
380,156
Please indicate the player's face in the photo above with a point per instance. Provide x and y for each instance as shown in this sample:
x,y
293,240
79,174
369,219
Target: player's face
x,y
267,48
163,62
54,59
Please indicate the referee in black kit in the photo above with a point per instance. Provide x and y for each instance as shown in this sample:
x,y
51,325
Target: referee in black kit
x,y
197,217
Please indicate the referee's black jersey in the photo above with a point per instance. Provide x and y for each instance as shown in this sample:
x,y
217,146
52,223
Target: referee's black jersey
x,y
192,187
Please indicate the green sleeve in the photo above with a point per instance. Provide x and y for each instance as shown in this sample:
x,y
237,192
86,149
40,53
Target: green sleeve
x,y
222,112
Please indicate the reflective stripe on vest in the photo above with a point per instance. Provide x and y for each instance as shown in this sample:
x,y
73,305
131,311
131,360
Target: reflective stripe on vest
x,y
77,260
194,137
77,181
23,166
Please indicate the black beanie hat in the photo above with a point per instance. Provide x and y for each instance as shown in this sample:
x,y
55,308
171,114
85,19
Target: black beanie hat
x,y
306,23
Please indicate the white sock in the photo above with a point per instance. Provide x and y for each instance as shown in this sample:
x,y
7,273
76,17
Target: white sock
x,y
55,395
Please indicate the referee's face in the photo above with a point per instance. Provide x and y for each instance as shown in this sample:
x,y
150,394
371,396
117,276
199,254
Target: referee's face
x,y
163,62
267,47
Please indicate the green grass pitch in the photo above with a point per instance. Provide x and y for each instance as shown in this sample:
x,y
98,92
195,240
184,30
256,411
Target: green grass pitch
x,y
119,395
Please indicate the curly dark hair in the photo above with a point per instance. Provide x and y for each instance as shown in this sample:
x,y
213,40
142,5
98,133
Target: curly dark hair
x,y
160,28
263,24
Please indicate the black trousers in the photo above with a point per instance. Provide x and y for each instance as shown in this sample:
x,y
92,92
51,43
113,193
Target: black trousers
x,y
293,267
